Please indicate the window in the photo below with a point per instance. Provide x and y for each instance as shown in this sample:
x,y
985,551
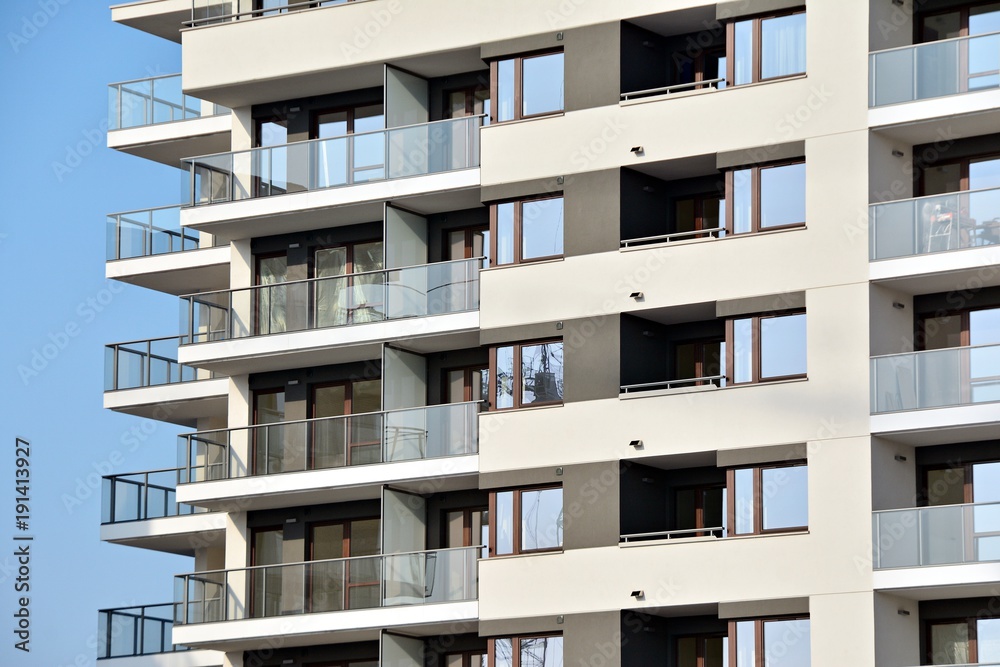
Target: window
x,y
526,652
357,160
468,527
706,65
960,483
465,659
767,499
526,374
766,47
526,230
526,521
340,442
704,650
527,86
338,584
766,347
466,243
777,642
266,548
963,641
463,385
270,299
344,297
765,197
470,101
959,329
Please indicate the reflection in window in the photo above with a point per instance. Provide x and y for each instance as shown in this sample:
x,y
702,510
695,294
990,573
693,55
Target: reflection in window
x,y
536,80
767,47
527,374
770,499
526,652
527,230
783,195
768,348
527,520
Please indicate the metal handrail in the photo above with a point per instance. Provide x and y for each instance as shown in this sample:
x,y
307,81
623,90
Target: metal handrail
x,y
937,196
306,142
668,384
253,13
139,634
670,533
936,41
313,280
968,541
670,89
670,237
938,350
127,220
147,358
934,507
142,508
221,439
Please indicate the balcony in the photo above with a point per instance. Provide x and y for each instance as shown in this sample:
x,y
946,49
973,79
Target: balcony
x,y
141,509
152,118
926,74
163,18
936,389
135,238
912,240
143,378
950,545
335,319
210,12
237,194
337,458
131,632
423,592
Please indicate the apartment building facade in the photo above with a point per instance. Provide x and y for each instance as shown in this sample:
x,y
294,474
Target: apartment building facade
x,y
567,332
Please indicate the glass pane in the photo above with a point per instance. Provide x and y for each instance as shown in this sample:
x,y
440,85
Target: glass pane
x,y
505,233
783,195
329,401
746,644
327,542
743,350
743,499
273,133
783,346
331,124
984,174
984,19
542,89
456,244
456,104
717,652
541,373
946,486
786,643
542,228
454,526
743,53
267,547
505,377
503,652
541,652
988,640
270,407
783,46
950,644
986,482
541,519
685,514
364,537
942,179
939,333
367,396
714,508
742,201
785,497
687,652
684,215
505,90
455,386
941,26
505,522
984,327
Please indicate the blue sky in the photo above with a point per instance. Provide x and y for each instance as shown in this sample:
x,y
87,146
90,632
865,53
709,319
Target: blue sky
x,y
60,180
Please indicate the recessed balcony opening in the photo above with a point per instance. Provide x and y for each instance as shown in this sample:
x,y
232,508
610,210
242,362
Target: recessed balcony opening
x,y
956,357
951,515
956,50
715,636
957,202
690,348
692,50
963,631
698,497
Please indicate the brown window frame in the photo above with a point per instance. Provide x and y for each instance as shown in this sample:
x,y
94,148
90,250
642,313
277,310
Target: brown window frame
x,y
349,265
517,381
760,650
353,662
758,499
470,99
973,631
965,163
699,200
701,638
964,13
348,411
515,647
519,86
351,111
470,658
470,232
467,536
699,67
345,548
755,348
518,240
700,347
699,514
257,424
516,512
755,197
468,379
755,76
253,602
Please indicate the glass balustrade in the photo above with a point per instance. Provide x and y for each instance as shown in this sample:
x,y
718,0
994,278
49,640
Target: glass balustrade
x,y
942,535
154,100
935,378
